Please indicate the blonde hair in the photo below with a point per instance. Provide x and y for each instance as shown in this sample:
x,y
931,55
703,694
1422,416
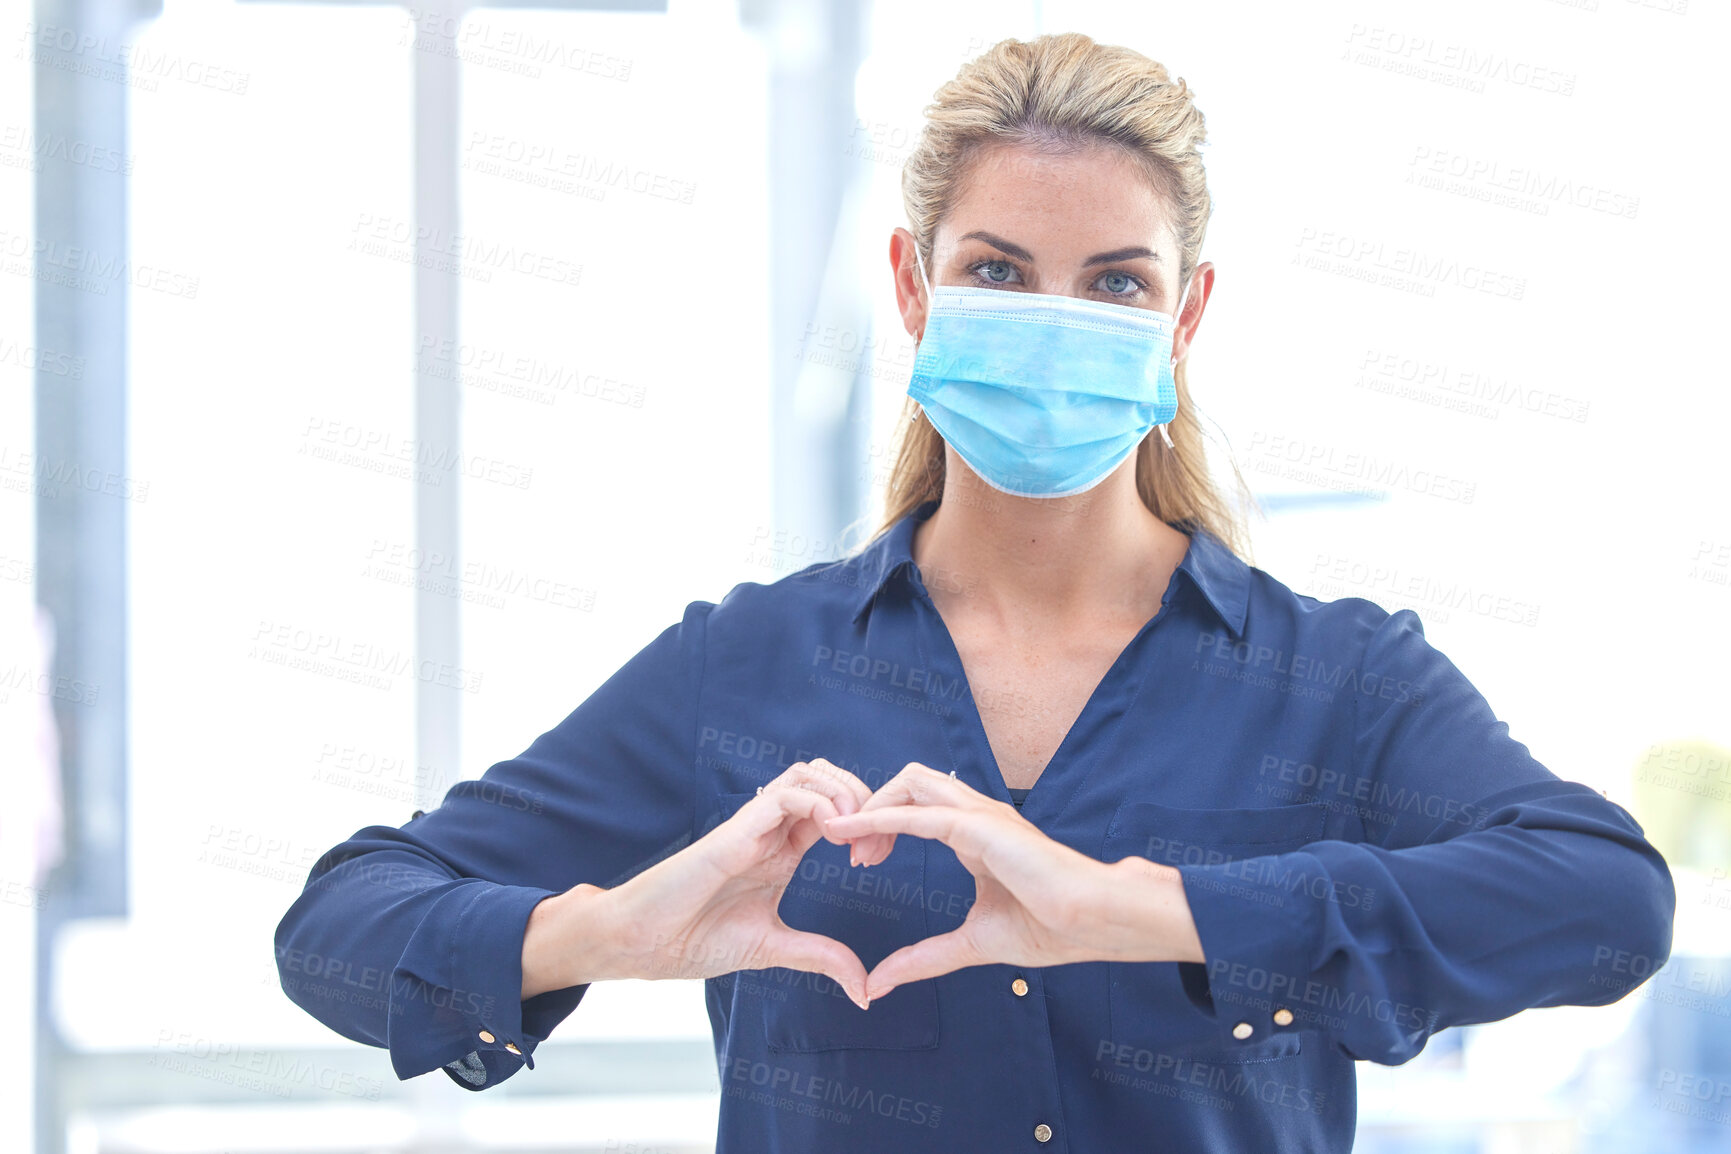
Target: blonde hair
x,y
1057,93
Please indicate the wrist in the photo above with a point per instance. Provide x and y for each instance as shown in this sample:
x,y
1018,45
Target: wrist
x,y
1146,914
571,939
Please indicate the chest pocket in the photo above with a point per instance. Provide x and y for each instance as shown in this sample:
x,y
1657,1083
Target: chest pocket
x,y
873,912
1149,1008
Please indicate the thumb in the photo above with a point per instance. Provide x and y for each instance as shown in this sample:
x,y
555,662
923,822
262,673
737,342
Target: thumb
x,y
927,958
817,954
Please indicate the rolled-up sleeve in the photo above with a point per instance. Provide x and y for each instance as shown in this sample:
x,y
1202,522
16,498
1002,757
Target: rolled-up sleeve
x,y
410,938
1485,884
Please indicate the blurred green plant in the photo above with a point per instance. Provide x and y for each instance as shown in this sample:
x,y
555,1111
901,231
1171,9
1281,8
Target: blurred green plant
x,y
1682,798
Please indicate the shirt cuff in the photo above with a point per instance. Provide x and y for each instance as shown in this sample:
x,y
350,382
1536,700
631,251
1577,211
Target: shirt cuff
x,y
1257,939
456,993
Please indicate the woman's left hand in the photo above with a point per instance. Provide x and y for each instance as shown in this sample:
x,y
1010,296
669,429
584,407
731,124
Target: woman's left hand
x,y
1037,902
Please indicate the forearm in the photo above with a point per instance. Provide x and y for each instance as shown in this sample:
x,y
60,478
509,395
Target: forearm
x,y
1381,948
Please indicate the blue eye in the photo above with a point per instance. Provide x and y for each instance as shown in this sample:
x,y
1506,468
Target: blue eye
x,y
1119,282
994,271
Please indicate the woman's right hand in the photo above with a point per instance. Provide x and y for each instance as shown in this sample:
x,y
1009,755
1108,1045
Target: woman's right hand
x,y
711,908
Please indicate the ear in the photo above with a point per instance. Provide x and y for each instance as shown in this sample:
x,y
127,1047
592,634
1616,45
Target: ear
x,y
1201,285
910,293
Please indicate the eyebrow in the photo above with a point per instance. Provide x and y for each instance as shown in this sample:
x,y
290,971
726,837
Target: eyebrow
x,y
1023,254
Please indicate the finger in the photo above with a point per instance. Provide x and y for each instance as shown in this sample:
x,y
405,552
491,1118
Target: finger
x,y
922,785
810,809
916,784
841,787
769,812
846,791
817,954
874,847
927,958
956,828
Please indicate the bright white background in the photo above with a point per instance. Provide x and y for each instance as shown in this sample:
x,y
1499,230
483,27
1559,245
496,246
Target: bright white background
x,y
1611,530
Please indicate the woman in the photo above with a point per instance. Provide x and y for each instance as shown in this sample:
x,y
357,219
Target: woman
x,y
1044,818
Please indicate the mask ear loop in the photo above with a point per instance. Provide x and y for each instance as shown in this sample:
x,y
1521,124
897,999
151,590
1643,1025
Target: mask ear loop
x,y
928,284
1182,298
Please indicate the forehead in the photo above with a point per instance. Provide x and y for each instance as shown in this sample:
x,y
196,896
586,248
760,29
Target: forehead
x,y
1080,196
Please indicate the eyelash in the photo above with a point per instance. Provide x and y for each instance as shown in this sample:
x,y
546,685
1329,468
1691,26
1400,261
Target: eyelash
x,y
974,269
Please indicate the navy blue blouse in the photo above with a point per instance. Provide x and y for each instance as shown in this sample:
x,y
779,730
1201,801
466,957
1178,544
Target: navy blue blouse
x,y
1368,854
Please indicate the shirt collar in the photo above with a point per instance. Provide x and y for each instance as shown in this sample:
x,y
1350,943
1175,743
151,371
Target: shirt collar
x,y
1220,575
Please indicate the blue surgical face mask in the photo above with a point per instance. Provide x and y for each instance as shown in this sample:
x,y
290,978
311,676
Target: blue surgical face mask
x,y
1042,396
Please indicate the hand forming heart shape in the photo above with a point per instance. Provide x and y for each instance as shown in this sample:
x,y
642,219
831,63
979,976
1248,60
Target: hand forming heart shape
x,y
1037,902
712,908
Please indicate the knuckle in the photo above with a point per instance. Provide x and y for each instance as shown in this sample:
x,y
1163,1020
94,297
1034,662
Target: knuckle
x,y
818,772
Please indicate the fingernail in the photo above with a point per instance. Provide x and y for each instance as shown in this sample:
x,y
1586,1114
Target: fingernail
x,y
852,857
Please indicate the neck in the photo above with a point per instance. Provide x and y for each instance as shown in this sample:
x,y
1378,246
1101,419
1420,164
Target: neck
x,y
1047,559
